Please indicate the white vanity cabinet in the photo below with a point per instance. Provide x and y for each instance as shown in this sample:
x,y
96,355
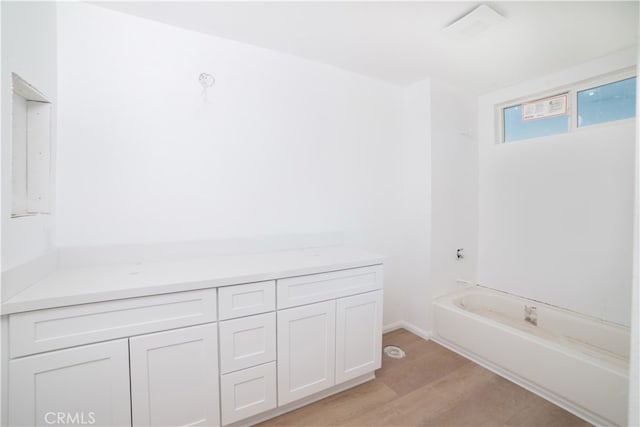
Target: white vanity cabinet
x,y
236,350
87,384
306,350
38,331
358,335
322,344
174,377
247,350
169,377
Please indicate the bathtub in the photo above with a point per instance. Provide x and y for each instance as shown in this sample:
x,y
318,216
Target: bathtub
x,y
577,362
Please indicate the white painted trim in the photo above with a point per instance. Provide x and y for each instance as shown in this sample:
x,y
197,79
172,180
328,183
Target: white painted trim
x,y
4,370
393,326
403,324
426,335
545,394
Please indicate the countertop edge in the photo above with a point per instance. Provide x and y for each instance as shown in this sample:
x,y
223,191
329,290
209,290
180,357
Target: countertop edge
x,y
9,307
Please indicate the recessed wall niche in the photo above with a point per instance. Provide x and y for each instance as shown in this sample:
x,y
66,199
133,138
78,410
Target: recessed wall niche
x,y
30,150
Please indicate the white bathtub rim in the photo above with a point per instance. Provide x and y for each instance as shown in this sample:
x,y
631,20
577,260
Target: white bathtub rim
x,y
597,362
487,290
565,404
447,301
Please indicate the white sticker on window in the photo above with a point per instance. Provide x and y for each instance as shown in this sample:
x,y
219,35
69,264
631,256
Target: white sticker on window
x,y
554,106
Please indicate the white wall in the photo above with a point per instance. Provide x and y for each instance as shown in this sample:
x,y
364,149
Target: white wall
x,y
413,232
28,45
29,50
555,213
283,145
454,188
439,190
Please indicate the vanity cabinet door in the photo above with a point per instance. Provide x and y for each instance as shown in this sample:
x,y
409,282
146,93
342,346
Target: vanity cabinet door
x,y
82,385
306,350
358,335
174,377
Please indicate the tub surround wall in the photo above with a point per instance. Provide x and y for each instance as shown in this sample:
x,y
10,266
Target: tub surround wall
x,y
555,213
439,184
454,172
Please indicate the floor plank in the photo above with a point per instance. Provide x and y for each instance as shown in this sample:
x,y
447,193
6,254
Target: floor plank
x,y
431,386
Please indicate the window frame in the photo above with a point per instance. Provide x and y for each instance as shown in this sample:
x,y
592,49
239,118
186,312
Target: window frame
x,y
571,90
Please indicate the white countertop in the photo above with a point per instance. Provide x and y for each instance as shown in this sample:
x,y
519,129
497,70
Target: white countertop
x,y
87,284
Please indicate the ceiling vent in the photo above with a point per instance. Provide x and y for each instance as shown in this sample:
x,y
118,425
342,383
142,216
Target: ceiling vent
x,y
473,23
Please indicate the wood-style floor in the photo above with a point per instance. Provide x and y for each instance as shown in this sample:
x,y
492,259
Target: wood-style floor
x,y
432,386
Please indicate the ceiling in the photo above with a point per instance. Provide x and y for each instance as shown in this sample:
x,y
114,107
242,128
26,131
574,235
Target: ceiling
x,y
402,42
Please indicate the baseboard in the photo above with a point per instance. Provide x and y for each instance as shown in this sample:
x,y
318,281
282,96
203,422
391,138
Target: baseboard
x,y
393,326
403,324
426,335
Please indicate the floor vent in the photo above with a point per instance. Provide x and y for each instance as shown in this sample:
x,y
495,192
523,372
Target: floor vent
x,y
394,352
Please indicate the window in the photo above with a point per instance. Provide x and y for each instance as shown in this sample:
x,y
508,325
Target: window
x,y
30,149
596,102
607,103
518,126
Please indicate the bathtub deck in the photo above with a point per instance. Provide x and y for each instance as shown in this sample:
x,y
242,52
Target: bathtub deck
x,y
432,386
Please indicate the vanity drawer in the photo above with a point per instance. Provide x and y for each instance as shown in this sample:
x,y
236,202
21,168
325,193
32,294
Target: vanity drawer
x,y
43,330
303,290
248,392
246,342
248,299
